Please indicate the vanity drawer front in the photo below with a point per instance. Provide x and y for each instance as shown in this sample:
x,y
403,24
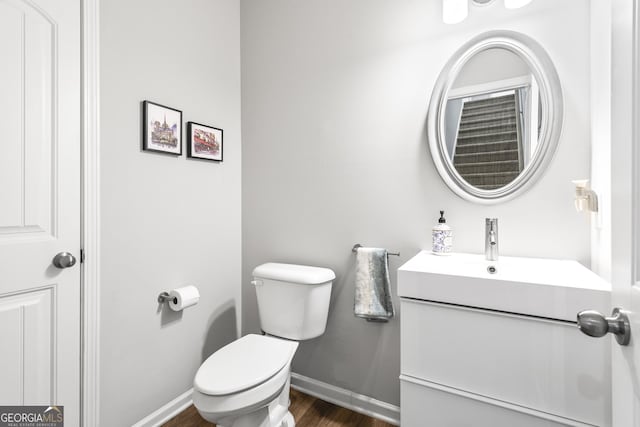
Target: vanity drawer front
x,y
544,365
430,405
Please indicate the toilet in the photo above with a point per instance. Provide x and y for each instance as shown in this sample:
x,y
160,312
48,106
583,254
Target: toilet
x,y
246,383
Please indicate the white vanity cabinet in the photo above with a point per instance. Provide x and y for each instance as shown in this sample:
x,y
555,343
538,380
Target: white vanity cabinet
x,y
466,361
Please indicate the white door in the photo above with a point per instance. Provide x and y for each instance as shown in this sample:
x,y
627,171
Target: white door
x,y
40,204
625,198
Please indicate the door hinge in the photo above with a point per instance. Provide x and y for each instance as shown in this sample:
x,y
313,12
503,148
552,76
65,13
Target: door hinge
x,y
81,256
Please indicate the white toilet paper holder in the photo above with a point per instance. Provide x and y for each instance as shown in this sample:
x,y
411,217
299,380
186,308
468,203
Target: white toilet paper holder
x,y
165,297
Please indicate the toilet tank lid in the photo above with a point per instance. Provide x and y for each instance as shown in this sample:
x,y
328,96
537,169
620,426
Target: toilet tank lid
x,y
303,274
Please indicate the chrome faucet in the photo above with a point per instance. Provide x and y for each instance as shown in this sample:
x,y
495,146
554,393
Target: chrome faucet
x,y
491,239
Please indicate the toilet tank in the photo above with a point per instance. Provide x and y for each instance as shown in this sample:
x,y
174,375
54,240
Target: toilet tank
x,y
293,300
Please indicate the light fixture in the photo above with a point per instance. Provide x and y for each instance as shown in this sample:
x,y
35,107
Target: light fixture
x,y
515,4
454,11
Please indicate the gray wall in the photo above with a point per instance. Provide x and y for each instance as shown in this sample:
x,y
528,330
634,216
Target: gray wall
x,y
166,221
334,103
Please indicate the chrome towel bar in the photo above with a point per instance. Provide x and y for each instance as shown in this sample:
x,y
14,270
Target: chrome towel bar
x,y
358,245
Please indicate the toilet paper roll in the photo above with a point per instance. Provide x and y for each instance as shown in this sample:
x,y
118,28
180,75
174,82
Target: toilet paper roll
x,y
182,298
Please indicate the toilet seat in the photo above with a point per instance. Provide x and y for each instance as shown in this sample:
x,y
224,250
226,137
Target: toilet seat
x,y
212,408
243,364
243,377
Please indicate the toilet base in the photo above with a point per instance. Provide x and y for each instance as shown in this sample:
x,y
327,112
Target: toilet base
x,y
275,414
260,418
288,420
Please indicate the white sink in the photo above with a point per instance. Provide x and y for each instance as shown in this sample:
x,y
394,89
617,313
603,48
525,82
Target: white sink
x,y
550,288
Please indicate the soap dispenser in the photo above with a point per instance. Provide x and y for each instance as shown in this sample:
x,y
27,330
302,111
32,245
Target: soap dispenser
x,y
442,237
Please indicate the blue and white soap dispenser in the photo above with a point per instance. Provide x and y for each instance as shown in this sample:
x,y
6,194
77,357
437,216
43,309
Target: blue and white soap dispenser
x,y
442,237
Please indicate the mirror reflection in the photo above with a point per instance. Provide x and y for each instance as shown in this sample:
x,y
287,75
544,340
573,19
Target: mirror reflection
x,y
492,118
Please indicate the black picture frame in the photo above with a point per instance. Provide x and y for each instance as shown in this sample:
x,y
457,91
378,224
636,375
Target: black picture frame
x,y
204,142
161,136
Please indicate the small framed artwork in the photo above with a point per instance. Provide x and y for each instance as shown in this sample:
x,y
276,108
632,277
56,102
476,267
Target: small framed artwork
x,y
162,128
204,142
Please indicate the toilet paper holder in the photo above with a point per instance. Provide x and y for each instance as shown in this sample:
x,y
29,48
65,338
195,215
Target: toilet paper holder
x,y
165,297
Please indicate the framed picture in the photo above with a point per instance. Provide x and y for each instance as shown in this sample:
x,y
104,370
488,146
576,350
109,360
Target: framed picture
x,y
204,142
162,129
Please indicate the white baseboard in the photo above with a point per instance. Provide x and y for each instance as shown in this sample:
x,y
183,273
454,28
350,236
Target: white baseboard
x,y
339,396
168,411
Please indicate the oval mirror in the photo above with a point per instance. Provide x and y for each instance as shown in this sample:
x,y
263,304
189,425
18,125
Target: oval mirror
x,y
495,116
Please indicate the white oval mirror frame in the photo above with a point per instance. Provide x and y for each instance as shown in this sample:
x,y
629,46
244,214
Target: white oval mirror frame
x,y
551,102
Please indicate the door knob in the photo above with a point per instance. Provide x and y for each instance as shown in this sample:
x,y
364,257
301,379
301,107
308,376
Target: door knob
x,y
64,260
595,324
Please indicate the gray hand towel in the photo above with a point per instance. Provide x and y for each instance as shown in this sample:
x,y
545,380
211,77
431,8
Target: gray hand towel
x,y
373,292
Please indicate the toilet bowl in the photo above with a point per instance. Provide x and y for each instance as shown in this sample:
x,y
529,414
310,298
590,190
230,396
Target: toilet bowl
x,y
246,383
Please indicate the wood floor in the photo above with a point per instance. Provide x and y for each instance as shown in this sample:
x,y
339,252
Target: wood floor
x,y
307,411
